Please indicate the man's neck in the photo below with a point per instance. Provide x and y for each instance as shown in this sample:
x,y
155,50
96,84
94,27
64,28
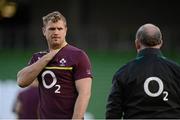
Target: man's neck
x,y
58,46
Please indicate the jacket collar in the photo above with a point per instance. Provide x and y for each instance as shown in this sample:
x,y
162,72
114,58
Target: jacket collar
x,y
150,51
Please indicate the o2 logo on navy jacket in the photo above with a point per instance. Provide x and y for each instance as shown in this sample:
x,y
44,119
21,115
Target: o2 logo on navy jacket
x,y
160,89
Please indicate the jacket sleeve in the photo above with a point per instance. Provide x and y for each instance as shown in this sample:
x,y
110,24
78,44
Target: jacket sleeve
x,y
114,102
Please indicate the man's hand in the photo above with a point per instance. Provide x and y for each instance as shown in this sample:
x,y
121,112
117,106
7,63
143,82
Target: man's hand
x,y
28,74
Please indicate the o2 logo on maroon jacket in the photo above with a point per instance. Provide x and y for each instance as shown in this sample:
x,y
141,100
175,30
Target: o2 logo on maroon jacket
x,y
54,81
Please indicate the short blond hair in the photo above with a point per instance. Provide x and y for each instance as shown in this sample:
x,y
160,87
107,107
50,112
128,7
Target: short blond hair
x,y
54,17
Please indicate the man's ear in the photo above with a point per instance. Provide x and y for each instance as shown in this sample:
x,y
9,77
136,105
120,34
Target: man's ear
x,y
161,43
43,30
137,44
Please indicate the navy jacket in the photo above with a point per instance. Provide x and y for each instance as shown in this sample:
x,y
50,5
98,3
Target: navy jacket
x,y
146,87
